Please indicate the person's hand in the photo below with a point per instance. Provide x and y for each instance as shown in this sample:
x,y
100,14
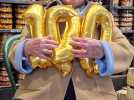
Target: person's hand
x,y
87,48
42,48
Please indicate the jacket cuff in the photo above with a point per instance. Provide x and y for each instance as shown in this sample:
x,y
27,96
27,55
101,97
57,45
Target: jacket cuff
x,y
106,64
21,62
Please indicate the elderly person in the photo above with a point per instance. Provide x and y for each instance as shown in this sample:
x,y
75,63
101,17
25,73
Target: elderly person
x,y
48,84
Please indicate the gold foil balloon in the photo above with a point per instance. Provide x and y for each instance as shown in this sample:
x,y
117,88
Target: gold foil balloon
x,y
96,14
34,16
35,19
63,55
42,23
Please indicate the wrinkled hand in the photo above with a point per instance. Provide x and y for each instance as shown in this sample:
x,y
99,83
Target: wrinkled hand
x,y
40,47
87,48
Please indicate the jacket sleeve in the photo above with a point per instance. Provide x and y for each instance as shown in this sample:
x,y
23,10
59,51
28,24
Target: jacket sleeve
x,y
17,56
122,51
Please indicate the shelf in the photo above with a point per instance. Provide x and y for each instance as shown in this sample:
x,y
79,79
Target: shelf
x,y
128,32
4,88
10,30
21,2
6,93
118,76
1,60
123,8
119,81
19,30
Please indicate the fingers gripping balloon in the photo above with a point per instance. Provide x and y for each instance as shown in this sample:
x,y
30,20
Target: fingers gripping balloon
x,y
42,25
46,23
35,19
62,54
96,14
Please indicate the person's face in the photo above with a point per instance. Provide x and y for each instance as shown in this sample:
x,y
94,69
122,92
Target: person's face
x,y
74,3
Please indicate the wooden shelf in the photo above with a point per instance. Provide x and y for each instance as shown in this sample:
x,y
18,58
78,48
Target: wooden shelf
x,y
123,7
118,76
6,93
4,88
1,60
119,81
128,32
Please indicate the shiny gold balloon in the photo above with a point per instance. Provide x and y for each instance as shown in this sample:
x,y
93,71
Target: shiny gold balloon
x,y
96,14
35,19
42,23
63,55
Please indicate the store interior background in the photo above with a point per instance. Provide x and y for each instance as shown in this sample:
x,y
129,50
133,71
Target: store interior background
x,y
11,23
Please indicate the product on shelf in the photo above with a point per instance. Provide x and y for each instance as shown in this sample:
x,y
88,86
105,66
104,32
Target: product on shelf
x,y
123,18
126,3
3,38
125,28
3,73
20,21
1,45
5,84
115,2
19,10
6,16
4,79
116,19
5,26
126,21
6,8
18,16
132,64
131,40
21,76
126,24
19,26
6,21
129,19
